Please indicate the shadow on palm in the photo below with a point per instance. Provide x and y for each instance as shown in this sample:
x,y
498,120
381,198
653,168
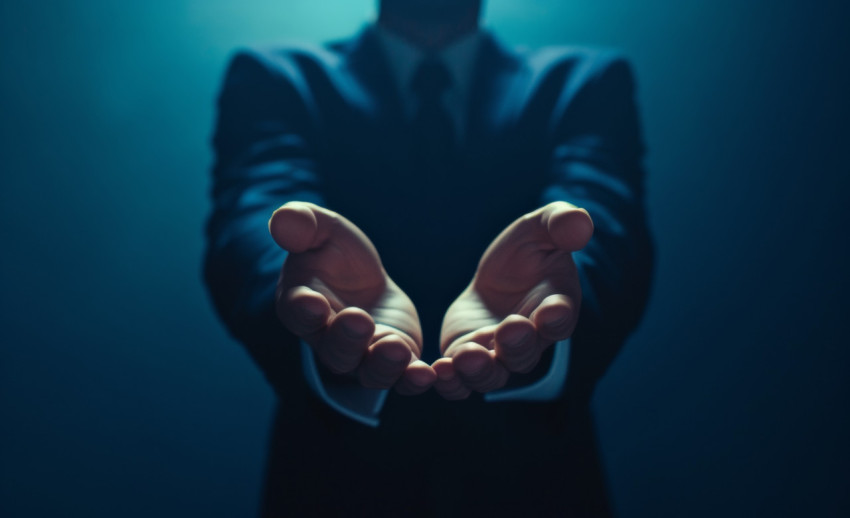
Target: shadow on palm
x,y
334,294
525,296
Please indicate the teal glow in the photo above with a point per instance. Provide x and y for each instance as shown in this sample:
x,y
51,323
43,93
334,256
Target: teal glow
x,y
122,396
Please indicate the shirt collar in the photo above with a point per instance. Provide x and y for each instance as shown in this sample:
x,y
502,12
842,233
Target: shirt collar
x,y
404,57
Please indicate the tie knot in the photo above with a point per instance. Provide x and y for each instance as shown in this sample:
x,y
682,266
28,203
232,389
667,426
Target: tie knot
x,y
431,79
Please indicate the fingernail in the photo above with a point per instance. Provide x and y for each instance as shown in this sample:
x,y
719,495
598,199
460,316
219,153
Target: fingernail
x,y
515,340
558,322
356,330
473,366
445,375
310,314
420,380
395,355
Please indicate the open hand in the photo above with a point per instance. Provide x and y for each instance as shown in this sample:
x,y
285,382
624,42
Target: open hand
x,y
334,294
524,296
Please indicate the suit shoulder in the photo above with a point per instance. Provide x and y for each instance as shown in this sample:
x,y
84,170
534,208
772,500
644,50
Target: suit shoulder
x,y
578,63
281,60
562,76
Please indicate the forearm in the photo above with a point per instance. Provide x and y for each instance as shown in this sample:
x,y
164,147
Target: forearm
x,y
241,268
597,165
615,271
616,266
262,160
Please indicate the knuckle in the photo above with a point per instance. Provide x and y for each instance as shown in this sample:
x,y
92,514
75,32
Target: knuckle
x,y
524,368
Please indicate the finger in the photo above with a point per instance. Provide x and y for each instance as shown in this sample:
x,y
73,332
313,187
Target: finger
x,y
478,369
569,227
516,344
448,384
558,226
303,311
417,378
555,318
295,227
482,336
342,346
300,226
384,362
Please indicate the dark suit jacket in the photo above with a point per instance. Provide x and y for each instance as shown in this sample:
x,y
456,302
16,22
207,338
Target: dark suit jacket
x,y
325,125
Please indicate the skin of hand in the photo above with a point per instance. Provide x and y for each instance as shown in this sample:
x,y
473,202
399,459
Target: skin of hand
x,y
334,294
524,296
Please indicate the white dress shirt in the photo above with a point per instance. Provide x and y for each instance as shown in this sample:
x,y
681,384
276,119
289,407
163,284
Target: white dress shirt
x,y
365,404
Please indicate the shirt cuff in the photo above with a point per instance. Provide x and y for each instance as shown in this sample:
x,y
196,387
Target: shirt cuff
x,y
346,396
548,388
364,404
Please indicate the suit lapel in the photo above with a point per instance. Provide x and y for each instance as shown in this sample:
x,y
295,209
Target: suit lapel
x,y
493,101
493,106
366,64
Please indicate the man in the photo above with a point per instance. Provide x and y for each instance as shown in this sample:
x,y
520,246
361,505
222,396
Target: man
x,y
445,213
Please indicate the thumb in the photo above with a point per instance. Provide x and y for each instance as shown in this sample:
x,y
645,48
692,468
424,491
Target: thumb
x,y
295,226
569,227
300,226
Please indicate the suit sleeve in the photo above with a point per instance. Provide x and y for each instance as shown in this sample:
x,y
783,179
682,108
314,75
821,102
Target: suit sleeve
x,y
267,151
596,163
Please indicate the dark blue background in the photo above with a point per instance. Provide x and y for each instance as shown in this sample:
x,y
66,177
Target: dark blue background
x,y
121,395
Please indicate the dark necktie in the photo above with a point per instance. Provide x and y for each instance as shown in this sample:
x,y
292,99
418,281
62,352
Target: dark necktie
x,y
433,174
432,127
